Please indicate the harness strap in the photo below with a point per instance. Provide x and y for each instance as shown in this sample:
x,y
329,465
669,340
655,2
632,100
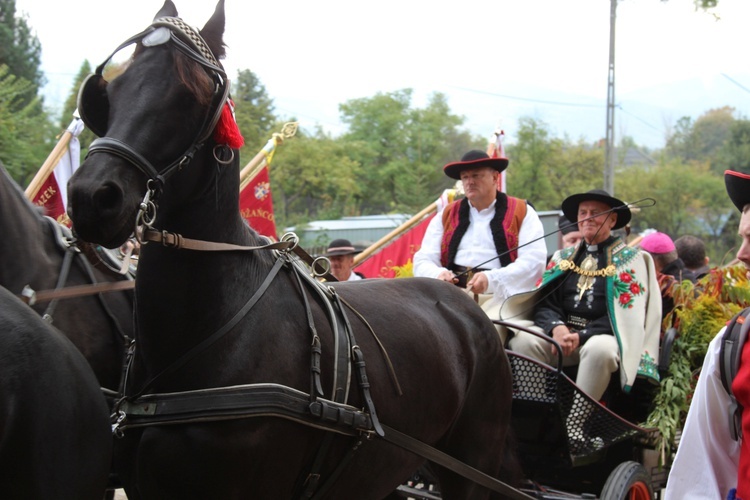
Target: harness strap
x,y
61,280
358,360
203,345
177,241
434,455
730,355
275,400
31,296
242,401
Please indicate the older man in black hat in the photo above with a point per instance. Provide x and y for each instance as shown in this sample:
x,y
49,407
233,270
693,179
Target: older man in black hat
x,y
599,301
490,243
713,461
341,254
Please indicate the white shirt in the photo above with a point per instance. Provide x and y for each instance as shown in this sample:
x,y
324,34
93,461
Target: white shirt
x,y
354,276
707,459
477,247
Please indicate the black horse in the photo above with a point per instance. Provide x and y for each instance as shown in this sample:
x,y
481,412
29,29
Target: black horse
x,y
55,435
449,384
33,253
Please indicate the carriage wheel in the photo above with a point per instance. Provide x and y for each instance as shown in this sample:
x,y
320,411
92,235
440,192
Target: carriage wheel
x,y
629,481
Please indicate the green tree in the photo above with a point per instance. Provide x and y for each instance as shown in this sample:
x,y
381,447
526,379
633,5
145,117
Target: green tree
x,y
314,177
531,164
24,132
253,109
703,140
403,149
685,196
20,49
735,154
71,103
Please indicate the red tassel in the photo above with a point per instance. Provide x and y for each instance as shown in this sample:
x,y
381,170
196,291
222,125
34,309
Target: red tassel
x,y
226,131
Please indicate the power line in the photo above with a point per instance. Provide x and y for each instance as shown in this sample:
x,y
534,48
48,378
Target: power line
x,y
735,82
541,101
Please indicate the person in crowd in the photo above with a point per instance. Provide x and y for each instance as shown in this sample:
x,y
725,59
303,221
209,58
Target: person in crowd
x,y
597,301
341,254
570,234
670,269
692,251
709,462
489,243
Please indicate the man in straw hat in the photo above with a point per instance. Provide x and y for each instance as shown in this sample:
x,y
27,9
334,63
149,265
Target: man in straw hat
x,y
341,254
599,301
712,461
489,243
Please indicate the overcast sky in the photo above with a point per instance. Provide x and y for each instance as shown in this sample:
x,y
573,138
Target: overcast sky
x,y
496,60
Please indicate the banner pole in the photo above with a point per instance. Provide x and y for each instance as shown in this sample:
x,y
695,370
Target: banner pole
x,y
259,161
49,164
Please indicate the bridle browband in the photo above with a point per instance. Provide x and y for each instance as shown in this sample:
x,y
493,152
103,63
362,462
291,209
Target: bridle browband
x,y
189,42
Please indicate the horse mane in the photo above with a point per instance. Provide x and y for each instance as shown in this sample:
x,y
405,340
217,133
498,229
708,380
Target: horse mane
x,y
36,210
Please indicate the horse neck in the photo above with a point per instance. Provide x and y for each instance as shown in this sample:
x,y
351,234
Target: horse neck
x,y
25,253
185,295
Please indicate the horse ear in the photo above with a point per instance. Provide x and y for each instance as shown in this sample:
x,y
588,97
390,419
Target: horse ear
x,y
213,31
167,10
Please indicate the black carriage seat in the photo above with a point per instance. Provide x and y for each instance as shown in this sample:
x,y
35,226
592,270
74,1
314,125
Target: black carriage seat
x,y
547,404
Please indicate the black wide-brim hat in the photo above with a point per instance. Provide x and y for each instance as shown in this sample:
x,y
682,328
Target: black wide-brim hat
x,y
474,159
570,206
340,247
738,188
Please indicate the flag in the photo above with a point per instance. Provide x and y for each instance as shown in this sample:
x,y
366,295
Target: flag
x,y
256,204
495,149
256,200
49,187
400,252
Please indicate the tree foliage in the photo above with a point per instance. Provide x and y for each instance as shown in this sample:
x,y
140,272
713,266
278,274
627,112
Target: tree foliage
x,y
314,177
403,148
20,49
253,110
24,132
71,103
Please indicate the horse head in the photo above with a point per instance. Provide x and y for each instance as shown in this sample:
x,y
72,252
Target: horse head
x,y
156,121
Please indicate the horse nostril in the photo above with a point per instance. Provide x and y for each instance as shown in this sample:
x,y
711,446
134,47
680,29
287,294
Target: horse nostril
x,y
108,197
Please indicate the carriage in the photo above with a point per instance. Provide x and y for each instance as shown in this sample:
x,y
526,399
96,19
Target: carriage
x,y
571,446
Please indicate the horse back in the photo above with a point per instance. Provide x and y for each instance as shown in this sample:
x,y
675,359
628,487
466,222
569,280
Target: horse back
x,y
54,426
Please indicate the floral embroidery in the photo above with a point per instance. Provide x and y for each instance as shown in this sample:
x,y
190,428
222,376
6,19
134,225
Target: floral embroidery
x,y
627,288
648,367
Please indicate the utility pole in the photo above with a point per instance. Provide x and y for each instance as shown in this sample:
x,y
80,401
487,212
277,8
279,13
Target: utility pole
x,y
609,155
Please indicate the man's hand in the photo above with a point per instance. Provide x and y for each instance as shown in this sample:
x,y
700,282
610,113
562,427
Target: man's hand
x,y
569,341
448,276
478,283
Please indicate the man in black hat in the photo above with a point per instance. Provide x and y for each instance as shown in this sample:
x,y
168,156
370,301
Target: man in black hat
x,y
711,462
599,301
490,243
341,254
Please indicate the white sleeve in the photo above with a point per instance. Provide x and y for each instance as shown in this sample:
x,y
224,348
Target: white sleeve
x,y
523,274
427,258
707,459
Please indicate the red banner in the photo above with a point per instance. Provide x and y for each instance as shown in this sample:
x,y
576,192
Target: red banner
x,y
50,198
398,253
256,204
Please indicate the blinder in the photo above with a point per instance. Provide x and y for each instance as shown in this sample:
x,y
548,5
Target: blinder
x,y
93,104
